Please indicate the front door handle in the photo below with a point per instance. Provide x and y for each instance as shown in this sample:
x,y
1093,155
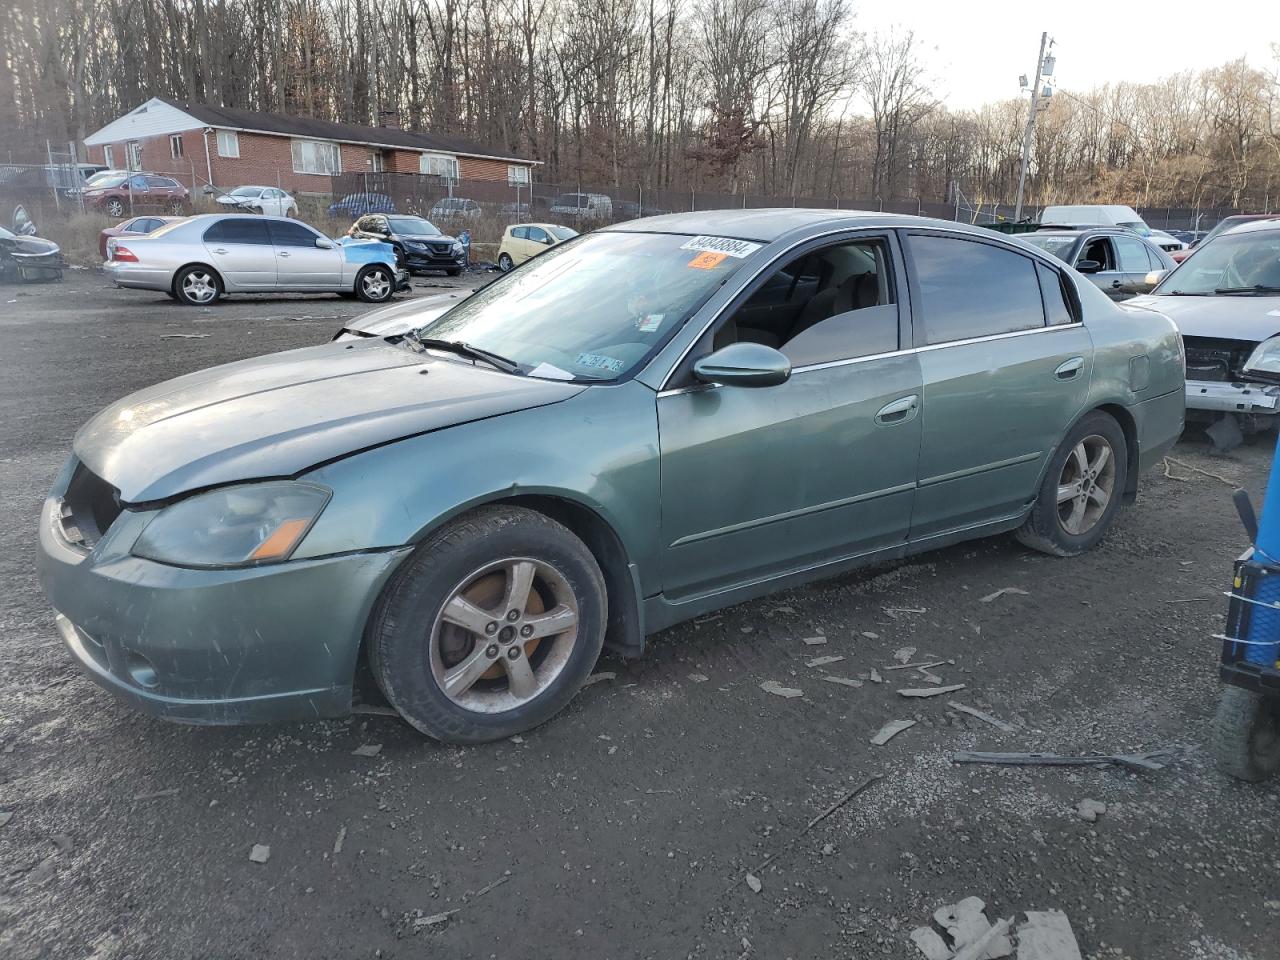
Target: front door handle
x,y
1069,369
219,249
1116,284
282,253
900,411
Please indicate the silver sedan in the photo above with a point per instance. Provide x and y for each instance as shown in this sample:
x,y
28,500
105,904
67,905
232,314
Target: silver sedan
x,y
197,259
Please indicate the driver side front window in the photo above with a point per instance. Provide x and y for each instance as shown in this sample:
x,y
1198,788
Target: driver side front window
x,y
834,303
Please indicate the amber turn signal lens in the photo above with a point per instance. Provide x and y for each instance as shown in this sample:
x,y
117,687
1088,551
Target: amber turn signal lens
x,y
283,539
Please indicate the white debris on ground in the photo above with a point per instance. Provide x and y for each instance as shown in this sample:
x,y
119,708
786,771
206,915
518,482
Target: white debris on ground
x,y
1090,810
891,730
1002,591
930,691
961,931
778,690
260,853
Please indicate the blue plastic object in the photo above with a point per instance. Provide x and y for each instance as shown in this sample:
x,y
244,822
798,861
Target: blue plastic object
x,y
1264,621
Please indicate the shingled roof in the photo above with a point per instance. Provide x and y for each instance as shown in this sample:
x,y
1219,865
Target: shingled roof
x,y
285,125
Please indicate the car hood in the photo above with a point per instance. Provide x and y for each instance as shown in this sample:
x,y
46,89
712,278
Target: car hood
x,y
1230,318
400,318
427,237
34,246
277,415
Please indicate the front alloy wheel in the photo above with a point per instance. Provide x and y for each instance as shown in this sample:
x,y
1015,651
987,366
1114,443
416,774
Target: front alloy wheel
x,y
375,285
491,627
115,207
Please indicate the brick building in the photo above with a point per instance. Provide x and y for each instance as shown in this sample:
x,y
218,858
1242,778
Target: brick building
x,y
227,147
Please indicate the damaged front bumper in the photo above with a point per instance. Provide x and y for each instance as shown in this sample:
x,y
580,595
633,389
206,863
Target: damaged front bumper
x,y
1232,397
211,646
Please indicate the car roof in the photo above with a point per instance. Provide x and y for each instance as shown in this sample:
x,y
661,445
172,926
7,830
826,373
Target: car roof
x,y
769,224
1256,225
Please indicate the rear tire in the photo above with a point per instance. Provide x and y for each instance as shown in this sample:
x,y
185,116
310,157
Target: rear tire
x,y
197,286
375,284
505,262
1081,490
1246,734
536,598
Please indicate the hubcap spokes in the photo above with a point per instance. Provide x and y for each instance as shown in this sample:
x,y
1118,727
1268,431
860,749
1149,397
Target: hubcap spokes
x,y
376,285
198,287
1087,485
504,635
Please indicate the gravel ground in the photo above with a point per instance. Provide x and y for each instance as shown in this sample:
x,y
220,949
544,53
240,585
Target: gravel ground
x,y
625,827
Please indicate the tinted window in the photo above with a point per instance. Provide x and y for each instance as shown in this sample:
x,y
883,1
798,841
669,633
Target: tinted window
x,y
288,233
238,230
1132,254
538,235
971,289
1055,296
834,303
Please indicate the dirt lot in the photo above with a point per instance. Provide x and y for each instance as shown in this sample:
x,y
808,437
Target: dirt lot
x,y
625,827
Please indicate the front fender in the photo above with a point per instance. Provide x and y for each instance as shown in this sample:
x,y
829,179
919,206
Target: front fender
x,y
598,450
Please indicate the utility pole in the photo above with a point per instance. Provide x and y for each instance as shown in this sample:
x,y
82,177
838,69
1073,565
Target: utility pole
x,y
1031,125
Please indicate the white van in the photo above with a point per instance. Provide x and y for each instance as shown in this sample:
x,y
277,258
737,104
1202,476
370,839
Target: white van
x,y
1103,214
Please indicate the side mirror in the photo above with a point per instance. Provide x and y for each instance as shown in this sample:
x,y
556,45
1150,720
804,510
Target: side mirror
x,y
324,244
1152,279
1089,266
744,365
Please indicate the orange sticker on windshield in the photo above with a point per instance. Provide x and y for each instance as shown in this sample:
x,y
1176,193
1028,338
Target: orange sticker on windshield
x,y
707,260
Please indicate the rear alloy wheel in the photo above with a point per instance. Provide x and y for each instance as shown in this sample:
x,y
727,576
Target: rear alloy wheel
x,y
504,262
491,627
375,285
1081,490
115,207
177,208
197,286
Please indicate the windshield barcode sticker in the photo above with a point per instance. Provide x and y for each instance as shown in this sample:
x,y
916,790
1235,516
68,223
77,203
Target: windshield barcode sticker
x,y
725,245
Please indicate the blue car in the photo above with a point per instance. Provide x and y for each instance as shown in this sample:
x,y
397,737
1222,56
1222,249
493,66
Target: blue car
x,y
358,204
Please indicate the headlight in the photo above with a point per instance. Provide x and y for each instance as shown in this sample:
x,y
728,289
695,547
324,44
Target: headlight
x,y
1264,363
235,526
415,245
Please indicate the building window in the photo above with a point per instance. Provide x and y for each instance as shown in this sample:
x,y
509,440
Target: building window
x,y
517,175
107,159
134,150
228,143
175,146
316,156
375,161
436,165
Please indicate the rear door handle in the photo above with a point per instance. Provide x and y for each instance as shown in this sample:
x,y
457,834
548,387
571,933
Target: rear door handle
x,y
899,411
1069,369
1116,283
219,249
282,253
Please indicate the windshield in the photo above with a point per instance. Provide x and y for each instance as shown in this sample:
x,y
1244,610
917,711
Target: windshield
x,y
107,180
1060,247
592,309
562,233
413,225
1240,263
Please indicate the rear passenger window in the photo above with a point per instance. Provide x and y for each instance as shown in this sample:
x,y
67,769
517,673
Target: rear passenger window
x,y
972,289
1056,309
238,230
519,233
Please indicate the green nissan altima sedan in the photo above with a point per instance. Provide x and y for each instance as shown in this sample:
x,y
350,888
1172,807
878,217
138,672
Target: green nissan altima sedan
x,y
640,425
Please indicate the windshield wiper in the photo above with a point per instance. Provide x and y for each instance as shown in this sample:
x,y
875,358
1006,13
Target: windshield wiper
x,y
504,364
1256,288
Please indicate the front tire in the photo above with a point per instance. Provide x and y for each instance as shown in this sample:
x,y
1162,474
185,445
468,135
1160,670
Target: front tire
x,y
115,207
375,284
1246,734
491,627
197,286
1081,490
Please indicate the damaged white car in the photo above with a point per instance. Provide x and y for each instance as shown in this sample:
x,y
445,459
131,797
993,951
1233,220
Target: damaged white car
x,y
1225,300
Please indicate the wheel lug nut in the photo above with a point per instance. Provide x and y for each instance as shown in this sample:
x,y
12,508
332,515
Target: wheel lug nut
x,y
526,631
513,615
513,653
491,628
492,651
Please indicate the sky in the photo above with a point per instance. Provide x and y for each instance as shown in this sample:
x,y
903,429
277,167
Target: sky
x,y
981,46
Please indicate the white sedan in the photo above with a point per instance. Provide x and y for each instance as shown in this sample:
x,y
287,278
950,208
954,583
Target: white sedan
x,y
269,200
